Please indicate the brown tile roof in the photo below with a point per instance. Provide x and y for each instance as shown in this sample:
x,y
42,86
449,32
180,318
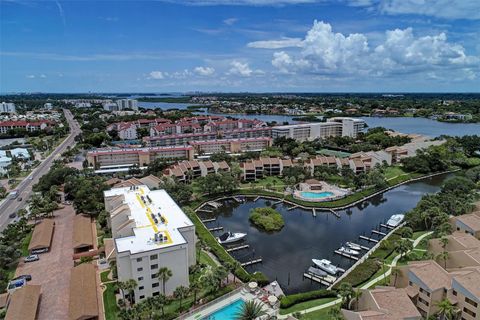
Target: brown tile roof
x,y
474,254
470,282
113,181
42,235
24,303
82,232
128,183
470,220
208,164
83,293
395,302
431,274
151,181
465,239
110,252
223,165
248,166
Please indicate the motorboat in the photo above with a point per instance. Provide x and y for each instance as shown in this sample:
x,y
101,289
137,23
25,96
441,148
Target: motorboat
x,y
349,251
317,272
326,266
229,237
395,220
353,246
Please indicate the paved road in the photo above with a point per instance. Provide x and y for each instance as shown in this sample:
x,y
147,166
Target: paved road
x,y
25,187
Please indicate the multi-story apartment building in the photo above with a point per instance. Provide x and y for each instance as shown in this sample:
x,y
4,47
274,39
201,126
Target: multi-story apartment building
x,y
123,104
186,171
231,145
150,232
468,223
7,107
256,169
6,126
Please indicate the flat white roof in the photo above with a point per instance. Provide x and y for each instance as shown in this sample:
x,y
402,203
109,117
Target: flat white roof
x,y
145,227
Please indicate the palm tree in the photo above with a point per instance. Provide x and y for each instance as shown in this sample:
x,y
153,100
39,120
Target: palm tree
x,y
220,274
181,293
123,287
161,301
446,311
357,293
195,288
231,267
130,286
335,314
444,241
395,272
444,256
345,291
251,310
164,274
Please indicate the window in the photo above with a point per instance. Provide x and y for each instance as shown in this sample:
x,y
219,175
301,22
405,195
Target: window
x,y
156,294
139,259
139,269
454,293
425,292
156,284
410,283
140,278
140,288
470,301
154,257
154,276
423,301
141,297
473,314
154,266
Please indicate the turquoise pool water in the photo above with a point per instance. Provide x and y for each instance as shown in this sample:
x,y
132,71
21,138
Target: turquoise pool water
x,y
227,312
315,195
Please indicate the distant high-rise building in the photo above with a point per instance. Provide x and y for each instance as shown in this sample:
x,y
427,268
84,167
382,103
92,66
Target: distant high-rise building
x,y
127,104
110,106
7,107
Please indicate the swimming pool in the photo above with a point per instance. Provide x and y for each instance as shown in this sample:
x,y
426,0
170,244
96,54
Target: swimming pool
x,y
315,195
226,313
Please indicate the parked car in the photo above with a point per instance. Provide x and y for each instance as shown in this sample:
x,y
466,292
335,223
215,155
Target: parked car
x,y
15,284
31,258
19,199
27,277
12,215
38,251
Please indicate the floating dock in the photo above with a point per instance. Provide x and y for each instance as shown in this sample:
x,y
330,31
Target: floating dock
x,y
238,248
379,232
277,202
346,255
209,220
205,210
255,200
361,247
214,204
368,239
215,229
327,280
314,213
251,262
386,226
334,213
291,208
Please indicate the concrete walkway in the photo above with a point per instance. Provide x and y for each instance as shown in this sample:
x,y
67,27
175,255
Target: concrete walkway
x,y
365,286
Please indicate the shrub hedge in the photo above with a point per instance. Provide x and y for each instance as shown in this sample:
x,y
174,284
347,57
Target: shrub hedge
x,y
290,300
361,273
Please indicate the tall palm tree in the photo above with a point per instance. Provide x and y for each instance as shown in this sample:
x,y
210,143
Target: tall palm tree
x,y
195,288
220,274
446,310
444,256
345,291
181,293
357,293
231,267
335,314
251,310
395,273
160,302
130,286
123,287
164,274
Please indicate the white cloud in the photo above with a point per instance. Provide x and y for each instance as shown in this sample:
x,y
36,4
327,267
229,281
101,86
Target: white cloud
x,y
241,2
204,71
276,44
30,76
230,21
43,76
324,52
239,68
157,75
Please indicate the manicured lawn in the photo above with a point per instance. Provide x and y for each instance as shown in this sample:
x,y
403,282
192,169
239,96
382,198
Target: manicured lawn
x,y
206,259
104,276
305,305
393,171
109,302
317,315
25,244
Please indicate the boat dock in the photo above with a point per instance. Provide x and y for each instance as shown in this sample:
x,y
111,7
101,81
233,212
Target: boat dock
x,y
255,200
314,213
327,280
278,202
334,213
346,255
215,229
293,207
239,200
368,239
379,232
251,262
205,210
386,226
233,249
209,220
214,204
361,247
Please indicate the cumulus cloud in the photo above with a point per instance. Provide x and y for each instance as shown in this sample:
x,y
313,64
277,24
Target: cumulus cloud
x,y
30,76
204,71
276,44
43,76
325,52
157,75
240,69
230,21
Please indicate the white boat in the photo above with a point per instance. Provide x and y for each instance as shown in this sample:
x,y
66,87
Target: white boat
x,y
317,272
395,220
353,246
326,266
349,251
229,237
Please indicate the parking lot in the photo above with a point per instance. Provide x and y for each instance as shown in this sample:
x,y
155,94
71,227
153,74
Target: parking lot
x,y
52,271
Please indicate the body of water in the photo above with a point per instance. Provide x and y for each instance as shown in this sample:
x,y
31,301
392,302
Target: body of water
x,y
164,105
287,254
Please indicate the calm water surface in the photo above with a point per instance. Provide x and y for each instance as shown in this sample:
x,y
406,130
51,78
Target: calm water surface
x,y
289,252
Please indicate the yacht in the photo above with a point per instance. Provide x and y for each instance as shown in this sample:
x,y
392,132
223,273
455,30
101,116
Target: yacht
x,y
317,272
349,251
353,246
395,220
229,237
326,266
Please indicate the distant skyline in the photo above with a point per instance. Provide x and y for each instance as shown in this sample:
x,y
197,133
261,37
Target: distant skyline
x,y
240,45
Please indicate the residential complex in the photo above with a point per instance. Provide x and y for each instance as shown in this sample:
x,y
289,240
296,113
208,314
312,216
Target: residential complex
x,y
30,126
150,232
7,107
186,171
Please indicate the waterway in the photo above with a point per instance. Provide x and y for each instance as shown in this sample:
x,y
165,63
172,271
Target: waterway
x,y
288,253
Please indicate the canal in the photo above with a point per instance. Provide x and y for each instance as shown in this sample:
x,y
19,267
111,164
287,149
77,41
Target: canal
x,y
288,253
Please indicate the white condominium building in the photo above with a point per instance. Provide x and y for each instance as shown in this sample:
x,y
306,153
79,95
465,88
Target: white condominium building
x,y
127,104
7,107
340,126
150,232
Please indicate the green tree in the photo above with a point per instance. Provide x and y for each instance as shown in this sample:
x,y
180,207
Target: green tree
x,y
446,310
250,310
403,246
195,287
181,293
335,314
345,291
164,274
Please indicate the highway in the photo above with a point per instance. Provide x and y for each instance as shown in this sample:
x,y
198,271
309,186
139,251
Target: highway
x,y
24,189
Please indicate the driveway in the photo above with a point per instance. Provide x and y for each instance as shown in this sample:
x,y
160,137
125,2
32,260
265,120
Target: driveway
x,y
52,271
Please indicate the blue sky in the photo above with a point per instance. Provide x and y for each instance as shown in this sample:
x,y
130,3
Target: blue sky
x,y
240,45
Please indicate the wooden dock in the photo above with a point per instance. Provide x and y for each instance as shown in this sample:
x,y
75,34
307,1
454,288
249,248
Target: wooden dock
x,y
251,262
386,226
346,255
209,220
368,239
214,204
379,232
233,249
238,200
277,202
255,200
215,229
314,213
205,210
291,208
361,247
335,213
327,280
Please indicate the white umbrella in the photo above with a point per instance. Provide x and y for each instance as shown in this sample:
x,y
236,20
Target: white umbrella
x,y
272,300
252,285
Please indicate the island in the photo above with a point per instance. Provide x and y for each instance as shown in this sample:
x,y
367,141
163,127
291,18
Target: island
x,y
267,219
